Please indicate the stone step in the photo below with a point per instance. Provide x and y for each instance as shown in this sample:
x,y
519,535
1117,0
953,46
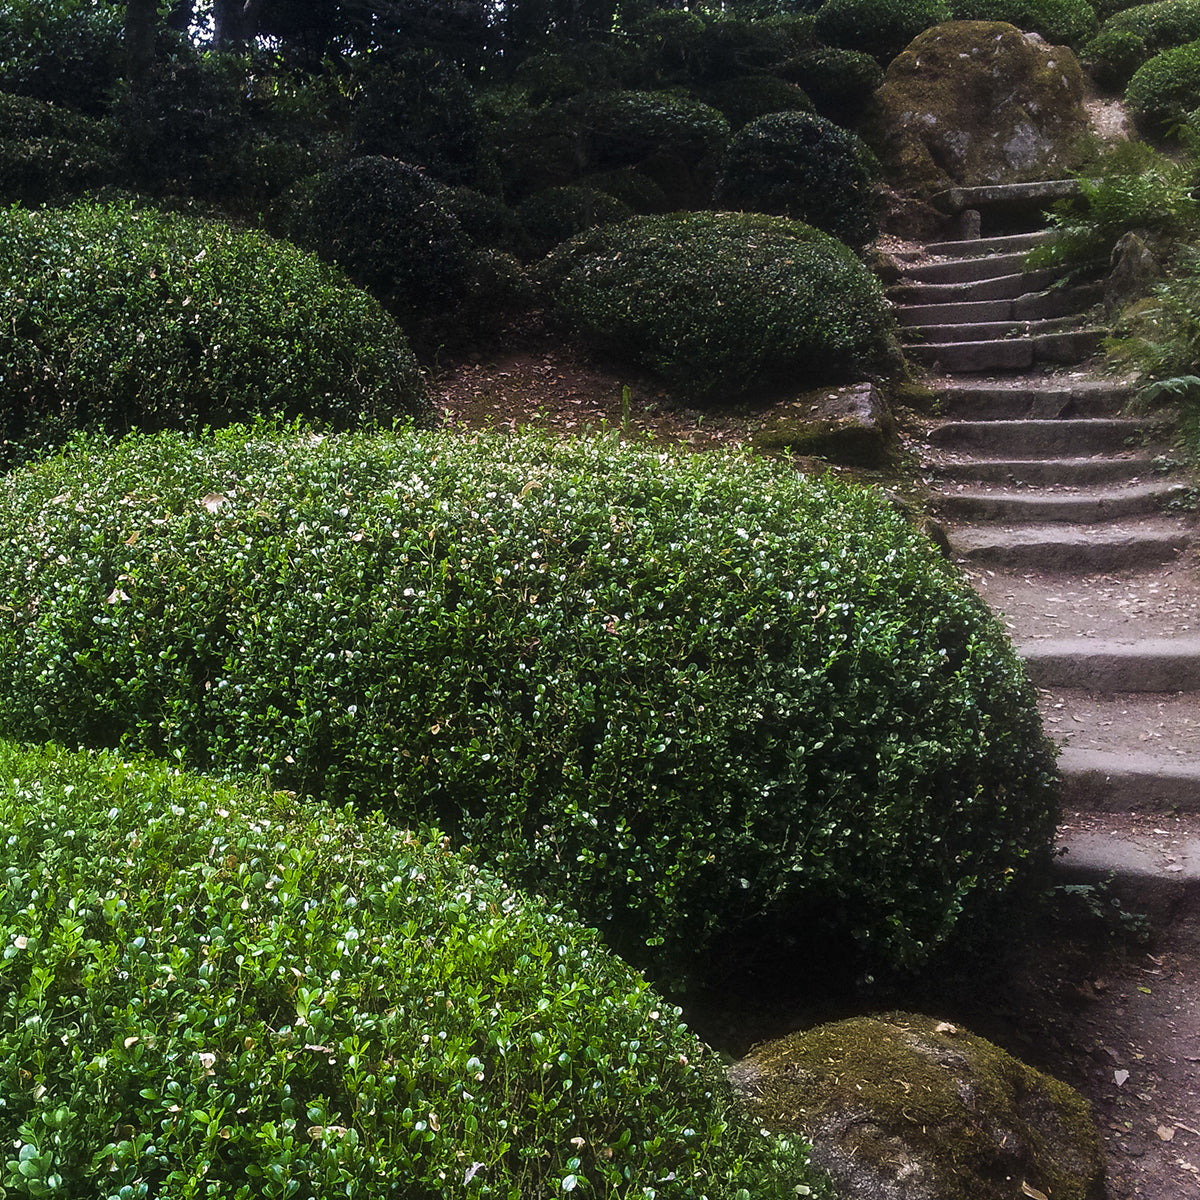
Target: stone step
x,y
1087,507
1029,306
992,245
1061,549
1007,354
992,403
1046,472
1067,437
1150,869
984,331
1099,665
1003,287
1023,196
966,270
1120,781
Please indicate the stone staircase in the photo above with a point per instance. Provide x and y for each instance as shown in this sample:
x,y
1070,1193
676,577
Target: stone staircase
x,y
1057,505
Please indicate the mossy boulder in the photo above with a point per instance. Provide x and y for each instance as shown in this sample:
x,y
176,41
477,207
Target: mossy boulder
x,y
978,102
907,1107
852,426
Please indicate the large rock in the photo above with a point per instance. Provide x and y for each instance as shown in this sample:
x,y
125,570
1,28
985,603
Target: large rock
x,y
906,1107
970,103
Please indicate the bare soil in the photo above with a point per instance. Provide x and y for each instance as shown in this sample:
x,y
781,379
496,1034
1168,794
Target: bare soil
x,y
1086,1000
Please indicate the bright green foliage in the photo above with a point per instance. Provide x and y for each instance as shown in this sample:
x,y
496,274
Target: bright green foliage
x,y
722,303
1164,90
65,51
392,229
49,153
1060,22
555,214
1113,55
1161,25
682,694
1161,340
212,991
113,317
800,165
881,28
1130,186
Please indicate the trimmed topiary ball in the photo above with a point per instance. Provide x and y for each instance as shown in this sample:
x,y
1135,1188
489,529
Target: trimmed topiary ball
x,y
1060,22
744,99
802,166
721,304
212,990
555,214
392,229
113,317
693,697
625,128
840,83
1164,90
1112,56
880,28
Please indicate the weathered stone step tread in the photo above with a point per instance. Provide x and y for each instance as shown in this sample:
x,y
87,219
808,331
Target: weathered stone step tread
x,y
1083,506
1054,438
1008,354
1002,287
967,269
989,403
991,245
1101,665
1026,306
1118,781
1053,549
983,331
959,199
1043,472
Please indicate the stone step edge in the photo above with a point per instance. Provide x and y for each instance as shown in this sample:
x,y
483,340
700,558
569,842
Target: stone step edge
x,y
1112,781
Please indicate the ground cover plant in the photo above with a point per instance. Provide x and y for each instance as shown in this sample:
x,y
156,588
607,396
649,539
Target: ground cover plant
x,y
114,317
689,696
723,303
213,990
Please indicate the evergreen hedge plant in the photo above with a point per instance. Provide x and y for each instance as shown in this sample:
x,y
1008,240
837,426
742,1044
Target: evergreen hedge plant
x,y
684,695
721,304
208,990
114,317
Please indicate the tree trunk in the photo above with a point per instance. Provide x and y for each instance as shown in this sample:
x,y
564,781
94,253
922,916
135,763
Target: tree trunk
x,y
236,22
141,37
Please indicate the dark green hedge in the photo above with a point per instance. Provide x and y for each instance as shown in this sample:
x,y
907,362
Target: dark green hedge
x,y
802,166
48,153
113,317
723,303
215,991
880,28
1166,88
680,694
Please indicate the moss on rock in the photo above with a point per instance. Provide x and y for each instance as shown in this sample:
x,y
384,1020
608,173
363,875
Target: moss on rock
x,y
978,102
907,1107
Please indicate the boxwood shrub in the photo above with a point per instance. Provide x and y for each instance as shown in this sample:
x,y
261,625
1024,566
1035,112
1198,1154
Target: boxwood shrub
x,y
880,28
1060,22
48,153
1161,25
1112,56
682,694
722,303
555,214
1164,90
840,83
212,991
746,97
802,166
626,127
113,317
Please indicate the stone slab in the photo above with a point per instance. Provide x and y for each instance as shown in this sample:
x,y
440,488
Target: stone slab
x,y
1061,549
1093,664
1068,437
1109,781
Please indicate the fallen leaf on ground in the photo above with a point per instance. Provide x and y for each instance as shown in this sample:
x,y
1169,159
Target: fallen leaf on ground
x,y
1165,1132
1120,1077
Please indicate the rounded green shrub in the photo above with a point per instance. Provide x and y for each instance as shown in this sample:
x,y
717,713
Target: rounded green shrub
x,y
421,109
555,214
802,166
1163,25
747,97
624,128
392,229
631,186
880,28
684,695
1060,22
1113,55
212,991
485,219
48,153
113,318
721,304
65,51
1166,88
840,83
